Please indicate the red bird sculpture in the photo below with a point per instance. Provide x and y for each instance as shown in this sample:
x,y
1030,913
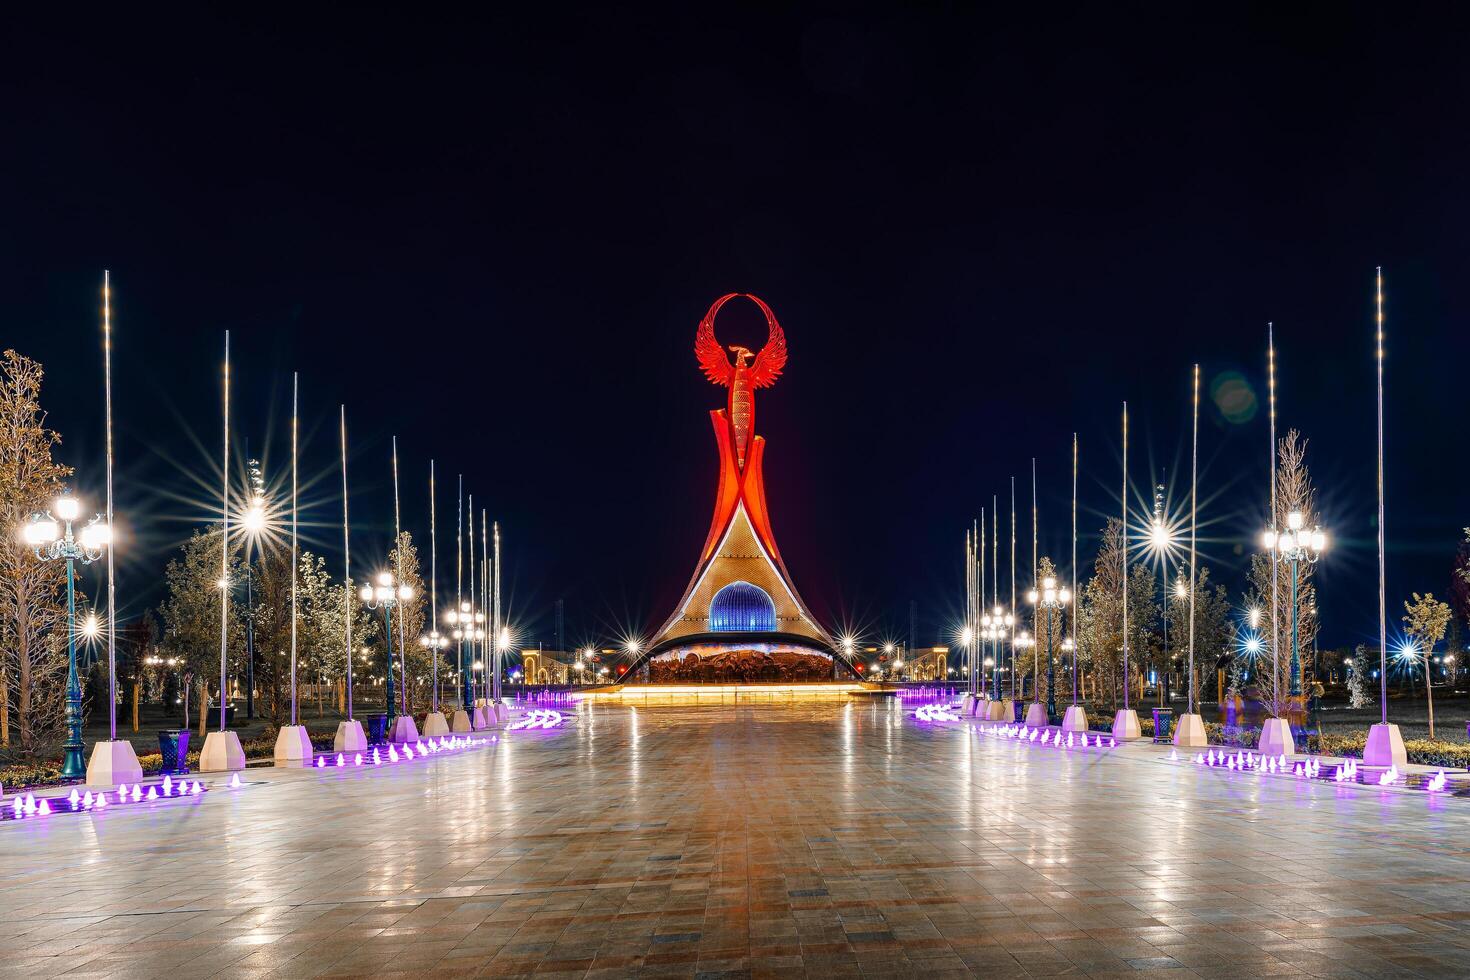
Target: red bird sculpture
x,y
745,375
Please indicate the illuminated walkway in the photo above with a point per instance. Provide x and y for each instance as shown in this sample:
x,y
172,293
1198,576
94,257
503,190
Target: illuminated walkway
x,y
799,840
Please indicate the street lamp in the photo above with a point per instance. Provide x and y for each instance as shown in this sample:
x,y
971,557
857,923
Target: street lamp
x,y
967,637
49,542
1294,546
1051,598
994,626
1022,641
467,623
1161,544
387,595
502,644
254,523
434,642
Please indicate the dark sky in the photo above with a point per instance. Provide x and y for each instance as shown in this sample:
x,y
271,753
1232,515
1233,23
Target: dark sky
x,y
981,229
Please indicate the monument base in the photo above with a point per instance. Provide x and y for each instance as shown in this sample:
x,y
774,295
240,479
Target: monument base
x,y
1008,711
1385,747
1036,715
1075,719
293,747
404,730
497,714
221,753
996,711
1190,732
478,720
1125,725
461,722
435,725
1276,738
113,763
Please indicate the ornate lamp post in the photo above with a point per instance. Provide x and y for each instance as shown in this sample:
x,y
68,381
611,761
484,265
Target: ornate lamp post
x,y
1021,642
466,624
434,642
502,645
49,541
387,595
1070,646
1295,546
995,626
972,680
1050,598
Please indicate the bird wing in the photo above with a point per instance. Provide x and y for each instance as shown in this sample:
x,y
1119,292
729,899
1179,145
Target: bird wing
x,y
712,360
772,358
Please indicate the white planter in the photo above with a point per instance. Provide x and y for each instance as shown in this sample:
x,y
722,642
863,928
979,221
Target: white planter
x,y
1075,719
113,763
221,753
1125,725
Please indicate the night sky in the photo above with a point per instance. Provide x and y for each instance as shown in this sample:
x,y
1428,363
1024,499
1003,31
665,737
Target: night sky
x,y
982,231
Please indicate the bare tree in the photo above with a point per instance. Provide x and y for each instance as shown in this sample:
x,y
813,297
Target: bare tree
x,y
32,592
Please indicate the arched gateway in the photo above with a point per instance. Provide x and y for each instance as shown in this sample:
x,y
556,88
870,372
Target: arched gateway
x,y
741,619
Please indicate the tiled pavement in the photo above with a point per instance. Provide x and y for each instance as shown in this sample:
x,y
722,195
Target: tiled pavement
x,y
821,840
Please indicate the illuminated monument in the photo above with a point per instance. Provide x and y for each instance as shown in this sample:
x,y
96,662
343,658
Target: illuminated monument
x,y
741,619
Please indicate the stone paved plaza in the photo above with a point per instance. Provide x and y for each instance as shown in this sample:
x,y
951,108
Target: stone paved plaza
x,y
820,839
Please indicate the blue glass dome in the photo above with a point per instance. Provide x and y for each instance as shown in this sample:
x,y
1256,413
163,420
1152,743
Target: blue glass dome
x,y
742,608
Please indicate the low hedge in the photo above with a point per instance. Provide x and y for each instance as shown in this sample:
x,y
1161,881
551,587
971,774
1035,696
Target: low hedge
x,y
24,776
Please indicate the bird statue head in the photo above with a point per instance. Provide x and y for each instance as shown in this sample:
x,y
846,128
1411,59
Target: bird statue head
x,y
742,354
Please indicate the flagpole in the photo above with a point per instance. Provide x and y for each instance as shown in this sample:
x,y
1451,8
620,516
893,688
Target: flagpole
x,y
1076,596
1126,677
1193,552
398,574
346,562
499,646
1385,742
1015,616
294,419
434,585
111,597
224,551
1273,522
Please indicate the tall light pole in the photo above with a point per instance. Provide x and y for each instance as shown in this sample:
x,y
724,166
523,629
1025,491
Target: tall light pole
x,y
52,538
1050,597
